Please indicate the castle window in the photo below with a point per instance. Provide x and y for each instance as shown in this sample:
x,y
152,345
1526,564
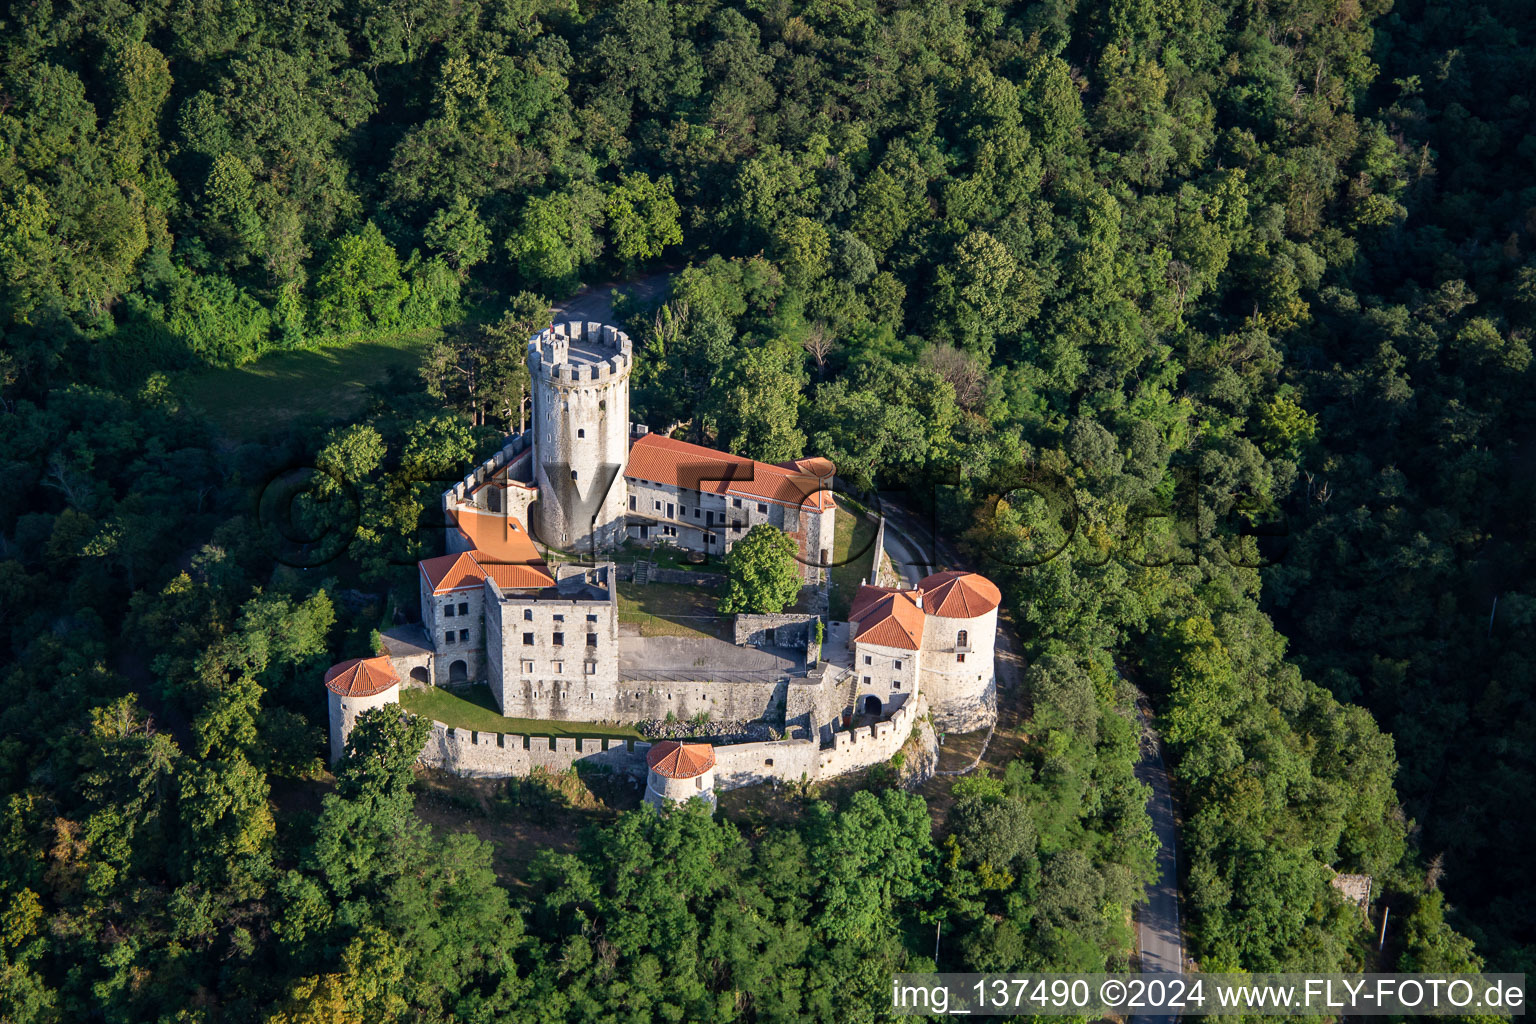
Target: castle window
x,y
868,660
866,680
895,684
657,504
463,636
559,667
573,474
559,618
962,639
736,503
632,503
762,507
463,607
527,639
960,659
591,618
768,762
559,640
448,609
527,668
695,513
898,664
581,433
592,671
591,639
698,783
527,614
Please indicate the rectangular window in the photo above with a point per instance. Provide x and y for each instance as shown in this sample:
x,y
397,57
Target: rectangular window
x,y
591,618
868,660
736,503
632,503
527,668
895,684
559,667
527,614
959,659
559,640
898,664
559,618
527,639
866,680
657,503
463,607
762,507
448,610
591,639
592,670
695,513
463,636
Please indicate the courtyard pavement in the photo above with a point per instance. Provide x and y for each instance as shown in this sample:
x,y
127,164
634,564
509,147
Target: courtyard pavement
x,y
683,657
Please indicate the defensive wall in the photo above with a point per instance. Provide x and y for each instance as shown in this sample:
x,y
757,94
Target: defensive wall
x,y
475,754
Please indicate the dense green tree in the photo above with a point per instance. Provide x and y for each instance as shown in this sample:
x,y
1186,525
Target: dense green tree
x,y
762,572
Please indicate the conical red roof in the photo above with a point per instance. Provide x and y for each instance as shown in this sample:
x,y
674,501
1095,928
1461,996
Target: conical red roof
x,y
361,677
673,760
959,595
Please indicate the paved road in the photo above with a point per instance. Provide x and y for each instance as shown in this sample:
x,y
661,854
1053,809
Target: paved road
x,y
911,563
595,302
1158,923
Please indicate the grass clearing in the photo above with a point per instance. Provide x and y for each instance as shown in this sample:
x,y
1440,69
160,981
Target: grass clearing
x,y
670,609
475,708
852,556
284,389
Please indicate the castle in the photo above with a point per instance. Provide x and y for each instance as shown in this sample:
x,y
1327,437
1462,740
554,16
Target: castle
x,y
547,639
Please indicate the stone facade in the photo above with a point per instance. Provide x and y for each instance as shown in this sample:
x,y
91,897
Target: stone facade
x,y
554,653
959,675
580,375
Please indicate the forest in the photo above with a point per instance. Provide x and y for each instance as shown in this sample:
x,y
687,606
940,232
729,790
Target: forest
x,y
1202,326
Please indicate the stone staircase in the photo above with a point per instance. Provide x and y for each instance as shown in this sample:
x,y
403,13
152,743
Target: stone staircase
x,y
643,569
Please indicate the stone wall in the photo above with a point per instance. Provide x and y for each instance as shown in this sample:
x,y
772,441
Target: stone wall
x,y
476,754
491,754
788,629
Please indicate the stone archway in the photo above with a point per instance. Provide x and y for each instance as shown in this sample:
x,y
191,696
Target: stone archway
x,y
419,674
458,671
872,706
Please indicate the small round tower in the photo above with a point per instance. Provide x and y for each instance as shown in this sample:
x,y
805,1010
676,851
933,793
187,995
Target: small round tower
x,y
580,377
959,636
679,772
354,686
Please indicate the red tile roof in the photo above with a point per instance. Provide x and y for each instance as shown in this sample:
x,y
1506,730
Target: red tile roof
x,y
959,595
497,536
696,468
673,760
468,569
361,677
887,617
452,572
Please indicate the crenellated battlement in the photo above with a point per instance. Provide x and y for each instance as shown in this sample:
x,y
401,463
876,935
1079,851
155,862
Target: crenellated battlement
x,y
577,352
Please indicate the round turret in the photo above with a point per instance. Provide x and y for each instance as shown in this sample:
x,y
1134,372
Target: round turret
x,y
355,686
580,424
678,772
959,634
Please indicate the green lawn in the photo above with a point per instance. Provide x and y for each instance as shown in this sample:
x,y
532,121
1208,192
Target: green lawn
x,y
476,709
852,555
284,388
670,609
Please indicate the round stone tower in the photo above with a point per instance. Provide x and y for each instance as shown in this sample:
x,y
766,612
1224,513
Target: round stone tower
x,y
959,636
580,377
354,686
679,772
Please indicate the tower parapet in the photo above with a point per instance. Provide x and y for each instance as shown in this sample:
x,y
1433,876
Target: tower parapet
x,y
580,373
